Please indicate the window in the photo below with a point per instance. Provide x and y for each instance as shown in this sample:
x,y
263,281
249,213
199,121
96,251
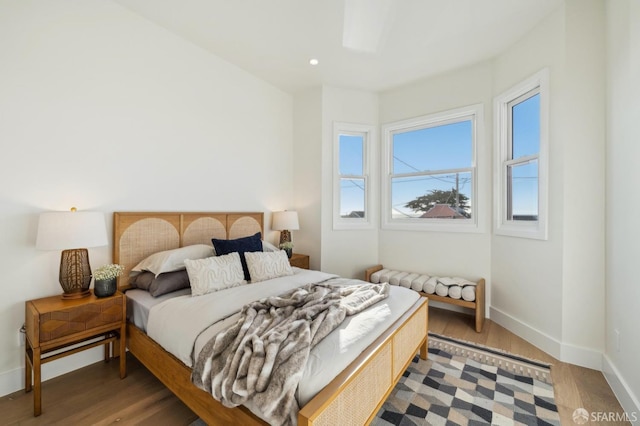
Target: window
x,y
430,172
521,137
352,186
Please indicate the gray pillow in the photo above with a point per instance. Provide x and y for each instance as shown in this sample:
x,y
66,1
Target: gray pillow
x,y
163,283
173,260
142,280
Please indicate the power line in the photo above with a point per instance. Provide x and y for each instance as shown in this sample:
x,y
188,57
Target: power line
x,y
406,164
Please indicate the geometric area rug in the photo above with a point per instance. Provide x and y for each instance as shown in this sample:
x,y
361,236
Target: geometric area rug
x,y
462,383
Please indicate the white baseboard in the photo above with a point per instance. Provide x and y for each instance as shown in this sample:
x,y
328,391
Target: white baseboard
x,y
583,357
537,338
625,395
13,380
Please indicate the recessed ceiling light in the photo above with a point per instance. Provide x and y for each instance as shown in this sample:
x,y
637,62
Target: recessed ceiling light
x,y
314,61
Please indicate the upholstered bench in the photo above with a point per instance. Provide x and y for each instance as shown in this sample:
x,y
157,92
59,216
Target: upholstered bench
x,y
454,291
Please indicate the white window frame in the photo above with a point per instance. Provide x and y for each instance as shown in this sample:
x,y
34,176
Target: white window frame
x,y
368,134
473,112
502,112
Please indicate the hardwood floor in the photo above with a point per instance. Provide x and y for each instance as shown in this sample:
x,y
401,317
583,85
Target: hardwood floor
x,y
94,395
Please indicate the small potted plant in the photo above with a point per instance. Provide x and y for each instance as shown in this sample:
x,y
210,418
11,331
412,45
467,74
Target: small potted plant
x,y
288,247
106,279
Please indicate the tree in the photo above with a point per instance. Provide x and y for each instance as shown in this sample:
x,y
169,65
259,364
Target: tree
x,y
437,196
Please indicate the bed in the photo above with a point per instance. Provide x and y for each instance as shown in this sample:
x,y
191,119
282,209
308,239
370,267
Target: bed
x,y
353,396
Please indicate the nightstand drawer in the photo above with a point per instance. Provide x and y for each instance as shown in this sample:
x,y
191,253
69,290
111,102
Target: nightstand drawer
x,y
299,260
57,324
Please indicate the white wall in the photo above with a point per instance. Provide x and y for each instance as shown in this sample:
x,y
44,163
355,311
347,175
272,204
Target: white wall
x,y
565,274
307,181
347,252
583,140
445,253
527,274
105,111
622,203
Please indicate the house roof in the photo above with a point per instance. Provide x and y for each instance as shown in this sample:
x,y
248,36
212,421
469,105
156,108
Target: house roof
x,y
442,211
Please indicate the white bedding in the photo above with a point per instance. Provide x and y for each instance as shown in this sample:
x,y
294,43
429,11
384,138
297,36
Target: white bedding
x,y
183,325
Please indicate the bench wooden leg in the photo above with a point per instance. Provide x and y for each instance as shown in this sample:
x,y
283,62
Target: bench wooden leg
x,y
479,321
480,305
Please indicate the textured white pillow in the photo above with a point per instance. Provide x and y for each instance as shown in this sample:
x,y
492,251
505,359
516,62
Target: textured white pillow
x,y
214,273
266,265
173,260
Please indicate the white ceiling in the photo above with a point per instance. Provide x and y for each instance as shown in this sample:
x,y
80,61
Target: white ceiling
x,y
391,42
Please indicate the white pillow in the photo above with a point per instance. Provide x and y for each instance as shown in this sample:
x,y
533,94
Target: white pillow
x,y
214,273
267,246
173,260
266,265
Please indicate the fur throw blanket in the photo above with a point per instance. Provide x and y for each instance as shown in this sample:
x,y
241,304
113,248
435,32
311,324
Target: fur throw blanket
x,y
262,357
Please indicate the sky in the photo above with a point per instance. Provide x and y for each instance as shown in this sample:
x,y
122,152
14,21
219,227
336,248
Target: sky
x,y
526,141
445,151
351,161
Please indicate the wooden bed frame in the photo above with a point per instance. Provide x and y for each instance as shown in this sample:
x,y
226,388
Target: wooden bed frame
x,y
353,397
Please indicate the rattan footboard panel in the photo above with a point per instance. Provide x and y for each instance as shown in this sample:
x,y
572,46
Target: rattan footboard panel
x,y
353,406
355,398
405,341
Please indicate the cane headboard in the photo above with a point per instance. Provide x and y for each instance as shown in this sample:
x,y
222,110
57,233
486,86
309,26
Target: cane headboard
x,y
136,235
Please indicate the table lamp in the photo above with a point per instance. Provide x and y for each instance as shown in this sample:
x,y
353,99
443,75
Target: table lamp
x,y
72,232
285,222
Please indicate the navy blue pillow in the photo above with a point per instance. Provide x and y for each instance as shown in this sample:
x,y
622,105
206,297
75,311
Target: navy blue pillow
x,y
241,245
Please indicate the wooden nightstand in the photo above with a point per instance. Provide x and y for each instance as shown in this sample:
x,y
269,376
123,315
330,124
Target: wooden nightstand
x,y
299,260
53,324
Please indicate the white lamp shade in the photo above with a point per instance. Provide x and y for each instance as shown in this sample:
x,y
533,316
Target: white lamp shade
x,y
70,230
287,220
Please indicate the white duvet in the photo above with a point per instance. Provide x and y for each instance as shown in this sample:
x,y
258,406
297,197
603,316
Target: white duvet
x,y
184,324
